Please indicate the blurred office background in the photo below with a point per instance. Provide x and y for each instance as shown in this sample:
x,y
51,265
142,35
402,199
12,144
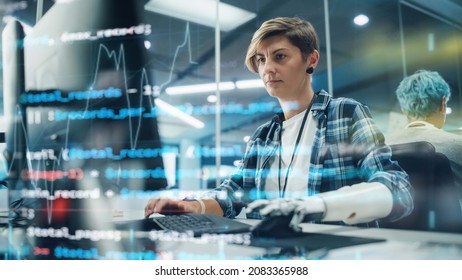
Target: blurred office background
x,y
367,47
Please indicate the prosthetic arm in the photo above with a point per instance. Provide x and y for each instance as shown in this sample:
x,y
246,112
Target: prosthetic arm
x,y
354,204
360,203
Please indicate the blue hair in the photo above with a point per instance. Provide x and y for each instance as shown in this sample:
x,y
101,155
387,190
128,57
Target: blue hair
x,y
420,94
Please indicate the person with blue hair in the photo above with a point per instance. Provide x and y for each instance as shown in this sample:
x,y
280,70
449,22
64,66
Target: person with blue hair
x,y
423,97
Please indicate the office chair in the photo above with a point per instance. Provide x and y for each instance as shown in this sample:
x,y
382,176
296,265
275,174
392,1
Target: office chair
x,y
447,197
436,198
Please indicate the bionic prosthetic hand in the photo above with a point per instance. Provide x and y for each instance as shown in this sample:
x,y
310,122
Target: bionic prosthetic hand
x,y
354,204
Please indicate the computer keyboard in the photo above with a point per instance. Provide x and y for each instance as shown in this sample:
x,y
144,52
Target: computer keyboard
x,y
196,223
200,223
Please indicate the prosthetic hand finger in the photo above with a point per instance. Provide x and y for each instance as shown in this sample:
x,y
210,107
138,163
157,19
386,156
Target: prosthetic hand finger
x,y
311,209
279,207
297,218
257,205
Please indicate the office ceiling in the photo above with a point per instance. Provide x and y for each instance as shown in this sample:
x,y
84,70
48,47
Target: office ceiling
x,y
367,61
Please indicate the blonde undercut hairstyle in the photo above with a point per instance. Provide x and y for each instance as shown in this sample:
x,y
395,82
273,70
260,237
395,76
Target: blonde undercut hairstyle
x,y
299,32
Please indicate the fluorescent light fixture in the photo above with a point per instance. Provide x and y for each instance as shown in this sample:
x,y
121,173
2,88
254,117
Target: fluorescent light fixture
x,y
211,87
361,20
202,12
199,88
164,106
249,84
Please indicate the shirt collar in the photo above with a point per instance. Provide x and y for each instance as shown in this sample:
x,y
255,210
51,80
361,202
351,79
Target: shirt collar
x,y
420,124
321,101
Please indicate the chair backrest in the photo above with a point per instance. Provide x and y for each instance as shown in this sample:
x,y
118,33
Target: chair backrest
x,y
436,199
446,197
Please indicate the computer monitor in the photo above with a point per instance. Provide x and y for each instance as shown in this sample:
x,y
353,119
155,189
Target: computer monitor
x,y
13,86
83,124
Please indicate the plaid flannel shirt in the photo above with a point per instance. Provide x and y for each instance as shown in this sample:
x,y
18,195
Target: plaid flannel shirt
x,y
348,149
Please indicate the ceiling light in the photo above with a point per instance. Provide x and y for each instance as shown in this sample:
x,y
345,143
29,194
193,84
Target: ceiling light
x,y
431,42
198,88
147,44
164,106
361,20
212,98
448,110
249,84
202,12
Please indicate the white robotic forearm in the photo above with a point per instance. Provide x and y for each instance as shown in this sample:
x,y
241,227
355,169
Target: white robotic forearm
x,y
360,203
354,204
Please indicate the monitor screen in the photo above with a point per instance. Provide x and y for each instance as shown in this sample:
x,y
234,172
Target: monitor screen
x,y
84,124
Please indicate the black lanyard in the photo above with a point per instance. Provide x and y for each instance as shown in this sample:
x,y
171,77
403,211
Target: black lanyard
x,y
282,191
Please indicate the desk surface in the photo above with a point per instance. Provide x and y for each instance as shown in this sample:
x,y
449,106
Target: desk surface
x,y
397,244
